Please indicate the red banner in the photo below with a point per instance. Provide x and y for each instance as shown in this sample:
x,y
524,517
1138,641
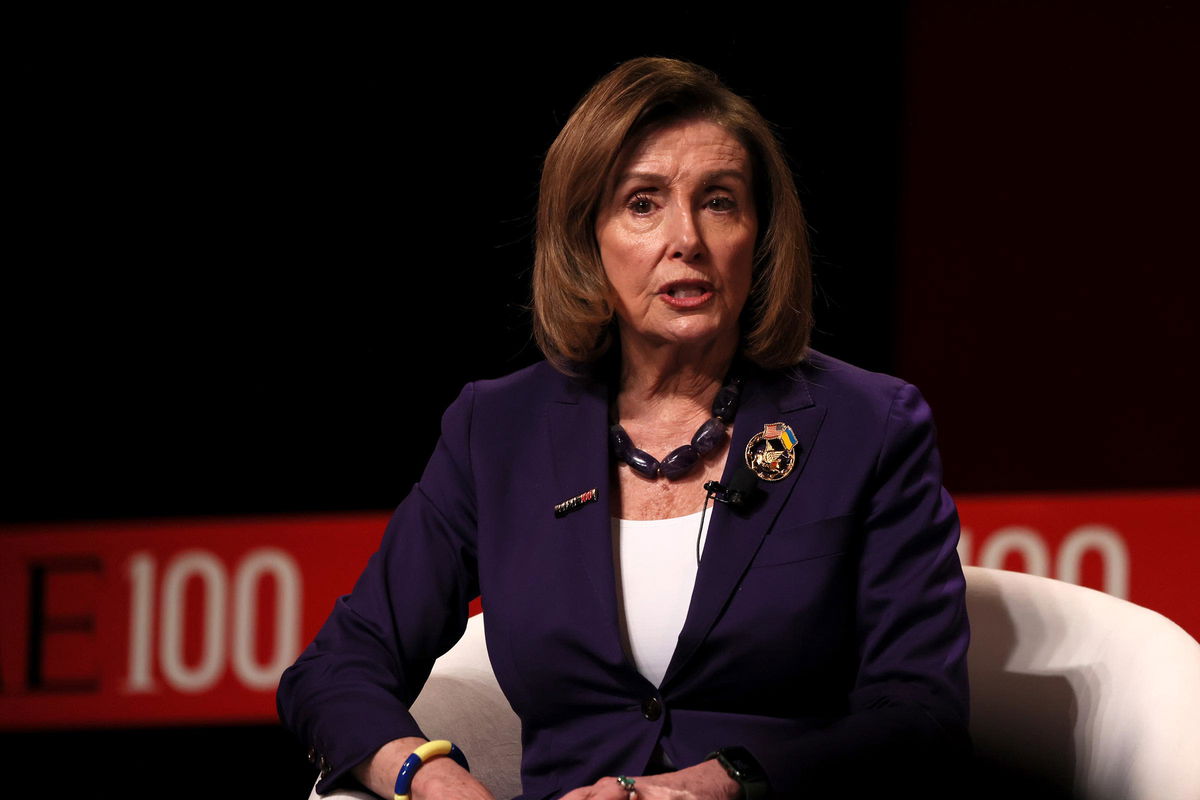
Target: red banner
x,y
1142,547
191,621
178,622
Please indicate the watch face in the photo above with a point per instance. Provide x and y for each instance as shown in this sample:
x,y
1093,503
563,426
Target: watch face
x,y
741,765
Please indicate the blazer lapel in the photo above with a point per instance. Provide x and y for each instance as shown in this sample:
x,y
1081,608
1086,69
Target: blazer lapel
x,y
734,536
578,419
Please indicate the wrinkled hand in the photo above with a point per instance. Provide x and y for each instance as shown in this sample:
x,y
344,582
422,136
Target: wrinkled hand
x,y
705,781
443,779
437,779
607,788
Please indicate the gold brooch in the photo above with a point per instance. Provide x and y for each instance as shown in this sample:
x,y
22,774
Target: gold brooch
x,y
771,454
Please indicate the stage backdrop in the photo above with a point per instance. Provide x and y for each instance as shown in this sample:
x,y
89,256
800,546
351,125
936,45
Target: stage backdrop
x,y
184,622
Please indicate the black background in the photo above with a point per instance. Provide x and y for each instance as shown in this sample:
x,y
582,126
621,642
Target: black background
x,y
254,271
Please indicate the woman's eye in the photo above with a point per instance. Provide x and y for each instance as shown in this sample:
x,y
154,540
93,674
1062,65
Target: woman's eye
x,y
641,205
722,204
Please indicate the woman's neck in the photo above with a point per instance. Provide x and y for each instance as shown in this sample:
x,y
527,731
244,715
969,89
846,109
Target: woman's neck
x,y
657,379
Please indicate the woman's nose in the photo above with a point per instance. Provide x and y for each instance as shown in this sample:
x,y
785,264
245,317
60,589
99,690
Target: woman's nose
x,y
686,243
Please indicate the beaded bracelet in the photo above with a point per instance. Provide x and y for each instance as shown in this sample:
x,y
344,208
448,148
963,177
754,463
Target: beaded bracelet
x,y
438,747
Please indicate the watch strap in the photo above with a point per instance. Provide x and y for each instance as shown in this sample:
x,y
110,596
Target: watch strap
x,y
745,770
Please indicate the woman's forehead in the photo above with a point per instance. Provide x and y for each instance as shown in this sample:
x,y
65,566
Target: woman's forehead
x,y
691,144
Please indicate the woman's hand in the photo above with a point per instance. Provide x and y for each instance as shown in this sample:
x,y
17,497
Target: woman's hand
x,y
437,779
443,779
708,780
607,788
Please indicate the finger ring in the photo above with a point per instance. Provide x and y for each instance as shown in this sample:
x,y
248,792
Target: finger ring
x,y
626,783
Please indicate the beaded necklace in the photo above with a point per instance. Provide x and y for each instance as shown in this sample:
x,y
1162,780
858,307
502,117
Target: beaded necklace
x,y
680,461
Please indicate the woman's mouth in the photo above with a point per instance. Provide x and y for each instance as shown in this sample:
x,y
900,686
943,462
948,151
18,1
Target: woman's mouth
x,y
686,294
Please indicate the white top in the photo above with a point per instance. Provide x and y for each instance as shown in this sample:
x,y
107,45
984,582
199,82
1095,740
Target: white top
x,y
656,572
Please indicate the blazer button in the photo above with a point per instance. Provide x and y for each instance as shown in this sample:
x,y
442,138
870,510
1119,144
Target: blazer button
x,y
651,708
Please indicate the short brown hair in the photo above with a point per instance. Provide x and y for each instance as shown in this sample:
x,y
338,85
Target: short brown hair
x,y
571,313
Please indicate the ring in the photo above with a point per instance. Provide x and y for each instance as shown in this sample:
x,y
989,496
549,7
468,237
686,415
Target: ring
x,y
626,783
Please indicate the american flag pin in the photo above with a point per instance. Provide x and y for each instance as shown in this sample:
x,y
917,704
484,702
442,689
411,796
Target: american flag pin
x,y
578,501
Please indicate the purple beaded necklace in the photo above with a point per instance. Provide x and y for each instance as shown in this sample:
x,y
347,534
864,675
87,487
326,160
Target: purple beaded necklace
x,y
681,460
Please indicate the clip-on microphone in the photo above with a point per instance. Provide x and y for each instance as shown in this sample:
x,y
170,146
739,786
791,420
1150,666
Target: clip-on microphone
x,y
739,491
737,494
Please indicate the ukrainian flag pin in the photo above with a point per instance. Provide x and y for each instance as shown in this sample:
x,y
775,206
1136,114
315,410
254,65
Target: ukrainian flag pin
x,y
771,454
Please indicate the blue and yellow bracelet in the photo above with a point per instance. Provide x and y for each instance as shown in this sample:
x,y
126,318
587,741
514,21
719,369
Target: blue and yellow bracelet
x,y
438,747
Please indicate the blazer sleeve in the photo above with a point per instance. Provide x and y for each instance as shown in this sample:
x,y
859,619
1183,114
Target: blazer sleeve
x,y
908,707
349,692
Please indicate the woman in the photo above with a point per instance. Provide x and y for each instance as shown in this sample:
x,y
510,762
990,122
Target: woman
x,y
819,643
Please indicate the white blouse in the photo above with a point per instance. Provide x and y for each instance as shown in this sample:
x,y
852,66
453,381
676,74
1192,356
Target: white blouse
x,y
656,572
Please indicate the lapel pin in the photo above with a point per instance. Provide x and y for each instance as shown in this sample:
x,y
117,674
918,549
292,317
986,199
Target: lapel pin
x,y
771,453
576,502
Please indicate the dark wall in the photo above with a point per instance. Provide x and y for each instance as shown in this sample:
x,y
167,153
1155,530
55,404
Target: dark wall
x,y
254,268
1049,268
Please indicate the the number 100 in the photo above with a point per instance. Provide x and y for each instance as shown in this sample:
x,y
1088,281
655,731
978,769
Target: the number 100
x,y
242,623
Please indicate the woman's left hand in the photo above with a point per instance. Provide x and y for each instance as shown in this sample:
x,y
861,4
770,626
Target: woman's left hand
x,y
708,780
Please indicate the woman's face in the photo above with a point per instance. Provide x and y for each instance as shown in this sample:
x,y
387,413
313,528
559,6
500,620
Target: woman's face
x,y
677,233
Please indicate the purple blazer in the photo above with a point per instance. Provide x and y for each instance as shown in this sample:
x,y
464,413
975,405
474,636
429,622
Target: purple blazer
x,y
827,631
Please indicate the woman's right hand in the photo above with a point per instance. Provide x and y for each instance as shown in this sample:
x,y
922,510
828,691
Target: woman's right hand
x,y
438,779
607,788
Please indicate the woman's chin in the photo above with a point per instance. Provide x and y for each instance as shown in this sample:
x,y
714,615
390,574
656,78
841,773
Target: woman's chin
x,y
690,333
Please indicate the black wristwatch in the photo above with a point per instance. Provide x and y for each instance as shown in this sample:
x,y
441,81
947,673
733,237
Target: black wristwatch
x,y
742,767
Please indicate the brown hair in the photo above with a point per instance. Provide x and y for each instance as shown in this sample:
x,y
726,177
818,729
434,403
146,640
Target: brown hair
x,y
571,311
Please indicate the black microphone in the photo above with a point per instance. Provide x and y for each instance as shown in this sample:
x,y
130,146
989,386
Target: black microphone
x,y
739,491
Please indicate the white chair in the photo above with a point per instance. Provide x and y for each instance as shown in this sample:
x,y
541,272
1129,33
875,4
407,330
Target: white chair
x,y
1081,692
1074,691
